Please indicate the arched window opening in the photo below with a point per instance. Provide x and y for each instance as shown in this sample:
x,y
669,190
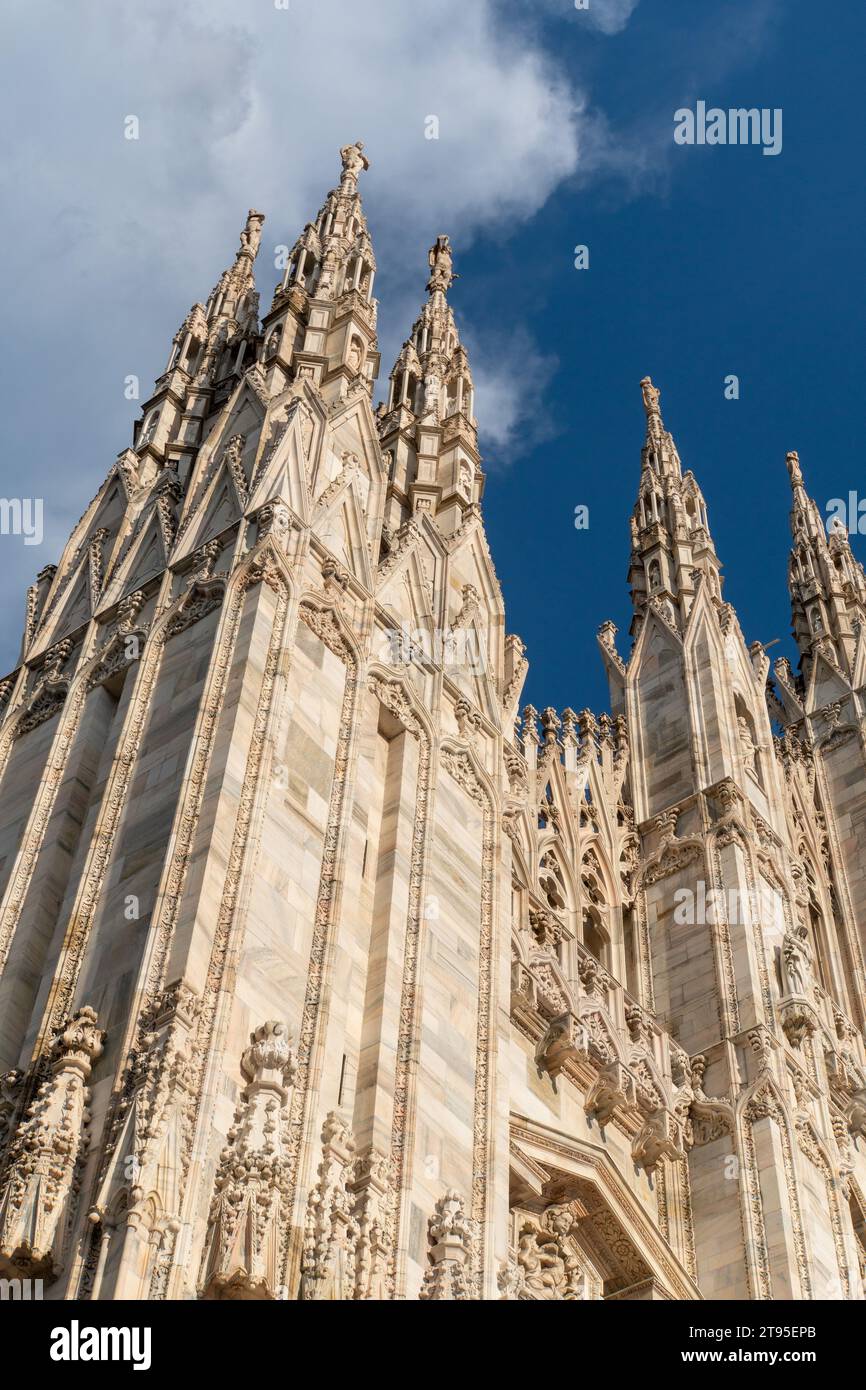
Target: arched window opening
x,y
595,936
816,932
630,951
594,939
413,386
551,883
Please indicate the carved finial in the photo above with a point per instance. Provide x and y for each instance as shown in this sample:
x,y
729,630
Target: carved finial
x,y
530,724
587,725
330,1232
56,660
451,1237
335,578
569,727
245,1226
78,1043
128,610
268,1059
37,1205
550,724
468,719
204,560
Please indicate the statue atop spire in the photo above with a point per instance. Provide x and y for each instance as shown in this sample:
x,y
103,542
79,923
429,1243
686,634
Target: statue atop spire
x,y
441,262
795,472
251,234
651,396
354,160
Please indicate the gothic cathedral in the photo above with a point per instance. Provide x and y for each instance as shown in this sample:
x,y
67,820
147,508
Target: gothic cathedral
x,y
325,971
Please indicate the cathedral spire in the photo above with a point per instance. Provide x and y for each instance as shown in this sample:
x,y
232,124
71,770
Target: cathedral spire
x,y
672,549
216,340
659,451
431,377
428,423
826,584
233,297
321,325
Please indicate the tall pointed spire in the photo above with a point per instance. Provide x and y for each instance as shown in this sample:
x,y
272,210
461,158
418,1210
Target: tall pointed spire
x,y
827,585
672,549
215,341
428,423
659,451
321,325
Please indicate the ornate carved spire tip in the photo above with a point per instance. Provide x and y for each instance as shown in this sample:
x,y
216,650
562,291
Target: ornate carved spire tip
x,y
792,463
441,262
651,396
353,160
251,234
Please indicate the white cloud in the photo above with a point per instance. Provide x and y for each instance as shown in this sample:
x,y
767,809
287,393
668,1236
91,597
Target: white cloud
x,y
510,376
239,105
610,16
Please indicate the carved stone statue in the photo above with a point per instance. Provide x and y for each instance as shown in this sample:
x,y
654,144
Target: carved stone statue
x,y
551,1270
650,395
795,473
441,263
355,355
798,960
747,746
354,159
252,233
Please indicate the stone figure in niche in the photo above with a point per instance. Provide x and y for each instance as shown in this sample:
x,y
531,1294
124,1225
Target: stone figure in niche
x,y
798,960
355,355
551,1270
747,747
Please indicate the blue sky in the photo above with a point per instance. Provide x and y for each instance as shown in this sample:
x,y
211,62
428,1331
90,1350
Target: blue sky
x,y
556,128
721,261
